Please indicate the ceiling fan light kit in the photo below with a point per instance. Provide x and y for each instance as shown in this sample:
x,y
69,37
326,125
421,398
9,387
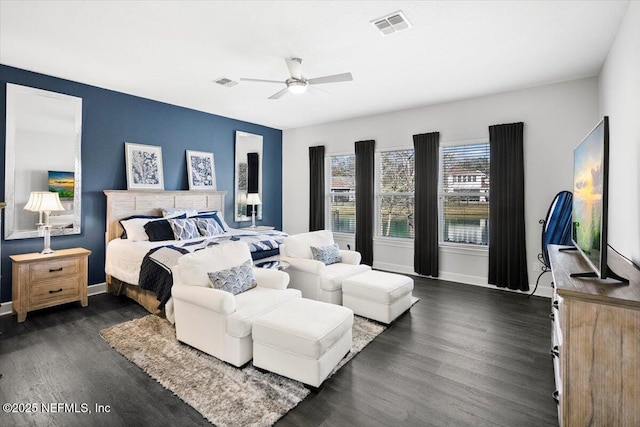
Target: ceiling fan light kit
x,y
297,86
296,83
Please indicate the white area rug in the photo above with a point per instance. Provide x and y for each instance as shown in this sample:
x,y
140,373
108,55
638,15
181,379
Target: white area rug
x,y
223,394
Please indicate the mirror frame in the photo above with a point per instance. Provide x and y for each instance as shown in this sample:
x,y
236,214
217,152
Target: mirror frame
x,y
14,91
246,143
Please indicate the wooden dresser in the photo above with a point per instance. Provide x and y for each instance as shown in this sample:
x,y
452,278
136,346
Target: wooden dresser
x,y
595,345
41,281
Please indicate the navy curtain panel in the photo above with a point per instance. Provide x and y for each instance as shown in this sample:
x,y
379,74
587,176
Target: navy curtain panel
x,y
425,256
316,188
507,246
365,152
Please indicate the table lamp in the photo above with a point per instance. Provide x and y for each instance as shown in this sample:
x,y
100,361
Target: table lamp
x,y
253,199
44,202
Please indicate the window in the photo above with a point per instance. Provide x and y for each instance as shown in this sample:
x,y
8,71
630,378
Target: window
x,y
464,203
396,194
342,193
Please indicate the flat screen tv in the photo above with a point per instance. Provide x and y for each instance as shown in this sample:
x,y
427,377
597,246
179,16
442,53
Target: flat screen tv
x,y
590,181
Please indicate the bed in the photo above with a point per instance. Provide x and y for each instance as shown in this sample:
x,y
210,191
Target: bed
x,y
127,259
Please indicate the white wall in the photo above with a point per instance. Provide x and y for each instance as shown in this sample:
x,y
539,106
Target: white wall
x,y
620,100
556,119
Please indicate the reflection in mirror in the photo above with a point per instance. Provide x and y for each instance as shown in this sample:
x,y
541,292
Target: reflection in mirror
x,y
42,154
248,175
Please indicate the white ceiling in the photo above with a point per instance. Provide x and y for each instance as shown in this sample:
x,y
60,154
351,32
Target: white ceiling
x,y
172,51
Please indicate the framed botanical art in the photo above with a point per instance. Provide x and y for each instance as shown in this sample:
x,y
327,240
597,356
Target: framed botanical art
x,y
144,167
201,170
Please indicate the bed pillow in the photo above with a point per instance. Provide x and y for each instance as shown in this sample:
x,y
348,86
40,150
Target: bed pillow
x,y
172,212
216,216
184,229
133,227
236,279
327,254
208,227
159,230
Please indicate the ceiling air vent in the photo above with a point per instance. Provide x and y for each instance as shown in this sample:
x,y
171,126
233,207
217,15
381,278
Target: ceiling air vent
x,y
226,82
391,23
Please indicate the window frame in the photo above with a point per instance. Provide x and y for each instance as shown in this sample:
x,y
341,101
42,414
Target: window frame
x,y
379,194
441,196
329,193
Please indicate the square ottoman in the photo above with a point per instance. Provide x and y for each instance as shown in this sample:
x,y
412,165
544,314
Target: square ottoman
x,y
377,295
302,339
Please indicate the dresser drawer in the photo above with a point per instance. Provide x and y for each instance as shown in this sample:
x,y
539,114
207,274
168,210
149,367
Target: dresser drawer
x,y
48,270
54,292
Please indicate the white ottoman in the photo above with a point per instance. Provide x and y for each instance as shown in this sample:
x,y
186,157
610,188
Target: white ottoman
x,y
377,295
302,339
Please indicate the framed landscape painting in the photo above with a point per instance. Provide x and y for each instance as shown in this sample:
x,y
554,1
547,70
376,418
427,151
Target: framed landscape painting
x,y
144,167
201,170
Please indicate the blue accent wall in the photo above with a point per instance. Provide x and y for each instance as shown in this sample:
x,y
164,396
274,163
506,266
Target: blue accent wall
x,y
109,120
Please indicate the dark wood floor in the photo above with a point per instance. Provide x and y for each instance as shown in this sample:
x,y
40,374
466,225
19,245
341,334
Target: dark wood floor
x,y
463,356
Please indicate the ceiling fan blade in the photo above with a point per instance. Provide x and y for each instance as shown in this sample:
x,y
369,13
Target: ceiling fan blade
x,y
242,79
345,77
317,89
279,94
294,67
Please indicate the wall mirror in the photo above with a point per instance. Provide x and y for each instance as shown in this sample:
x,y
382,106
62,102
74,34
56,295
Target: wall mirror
x,y
248,175
43,140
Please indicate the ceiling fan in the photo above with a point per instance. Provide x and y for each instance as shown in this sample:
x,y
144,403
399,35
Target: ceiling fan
x,y
297,83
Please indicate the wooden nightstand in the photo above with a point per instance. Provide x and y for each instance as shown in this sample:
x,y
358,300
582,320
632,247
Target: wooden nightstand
x,y
41,281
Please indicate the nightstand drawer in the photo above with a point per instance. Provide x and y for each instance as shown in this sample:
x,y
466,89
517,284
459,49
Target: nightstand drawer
x,y
54,292
48,270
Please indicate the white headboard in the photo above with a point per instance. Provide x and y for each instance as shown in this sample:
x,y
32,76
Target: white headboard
x,y
124,203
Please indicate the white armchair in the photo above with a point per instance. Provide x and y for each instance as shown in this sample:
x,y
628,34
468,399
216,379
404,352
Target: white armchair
x,y
315,279
215,321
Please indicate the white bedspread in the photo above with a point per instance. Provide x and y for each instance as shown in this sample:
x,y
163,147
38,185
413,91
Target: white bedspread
x,y
124,257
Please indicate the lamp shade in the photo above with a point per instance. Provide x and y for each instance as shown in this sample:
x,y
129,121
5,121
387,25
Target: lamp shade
x,y
253,199
43,201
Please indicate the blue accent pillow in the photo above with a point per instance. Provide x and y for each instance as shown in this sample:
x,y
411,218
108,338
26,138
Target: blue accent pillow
x,y
235,279
327,254
159,230
208,227
184,229
211,215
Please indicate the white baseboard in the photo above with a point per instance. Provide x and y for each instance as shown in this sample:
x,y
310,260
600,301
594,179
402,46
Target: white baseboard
x,y
396,268
5,308
98,288
542,291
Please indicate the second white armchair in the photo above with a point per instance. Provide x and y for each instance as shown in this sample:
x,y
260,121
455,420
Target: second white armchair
x,y
313,277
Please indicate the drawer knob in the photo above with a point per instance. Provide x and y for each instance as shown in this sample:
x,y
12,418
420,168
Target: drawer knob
x,y
556,397
556,305
54,292
554,351
552,316
53,270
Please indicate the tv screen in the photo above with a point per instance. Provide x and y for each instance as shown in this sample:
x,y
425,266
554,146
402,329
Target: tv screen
x,y
590,176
